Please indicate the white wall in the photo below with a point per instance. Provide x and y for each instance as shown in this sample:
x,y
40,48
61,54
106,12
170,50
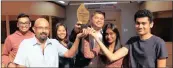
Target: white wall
x,y
32,8
127,12
71,16
127,16
151,5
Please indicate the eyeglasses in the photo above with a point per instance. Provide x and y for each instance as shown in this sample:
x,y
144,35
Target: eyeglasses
x,y
24,23
41,28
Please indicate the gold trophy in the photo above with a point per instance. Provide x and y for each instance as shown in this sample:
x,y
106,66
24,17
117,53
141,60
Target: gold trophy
x,y
82,14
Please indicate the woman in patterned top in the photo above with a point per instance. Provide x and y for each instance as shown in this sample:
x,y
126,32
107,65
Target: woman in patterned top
x,y
111,43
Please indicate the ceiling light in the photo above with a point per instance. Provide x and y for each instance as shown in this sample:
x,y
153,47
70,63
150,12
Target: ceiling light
x,y
101,3
61,2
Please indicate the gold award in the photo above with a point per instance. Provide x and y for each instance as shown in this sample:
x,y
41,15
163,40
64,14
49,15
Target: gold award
x,y
82,14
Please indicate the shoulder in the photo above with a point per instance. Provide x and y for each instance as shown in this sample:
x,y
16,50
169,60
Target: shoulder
x,y
133,39
14,34
31,33
69,44
26,44
28,41
11,37
54,41
158,40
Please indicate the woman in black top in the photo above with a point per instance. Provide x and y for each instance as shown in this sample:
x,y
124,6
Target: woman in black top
x,y
61,31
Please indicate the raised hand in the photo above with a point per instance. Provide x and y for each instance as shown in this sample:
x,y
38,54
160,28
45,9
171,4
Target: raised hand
x,y
92,32
77,27
12,65
83,34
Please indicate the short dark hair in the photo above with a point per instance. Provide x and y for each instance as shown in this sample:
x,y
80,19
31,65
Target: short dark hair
x,y
144,13
22,15
98,12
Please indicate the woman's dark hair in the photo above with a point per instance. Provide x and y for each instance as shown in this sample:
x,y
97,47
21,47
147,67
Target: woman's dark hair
x,y
57,26
115,30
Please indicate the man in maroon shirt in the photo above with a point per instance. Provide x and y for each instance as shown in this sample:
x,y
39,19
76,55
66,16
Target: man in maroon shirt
x,y
12,41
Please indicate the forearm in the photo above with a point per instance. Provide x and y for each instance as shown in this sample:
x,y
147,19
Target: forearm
x,y
5,60
72,51
106,51
161,63
112,56
21,66
88,53
5,54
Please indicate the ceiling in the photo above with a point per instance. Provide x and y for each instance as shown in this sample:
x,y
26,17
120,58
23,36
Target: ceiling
x,y
79,2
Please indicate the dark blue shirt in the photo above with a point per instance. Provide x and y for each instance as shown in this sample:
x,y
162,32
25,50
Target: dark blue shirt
x,y
144,53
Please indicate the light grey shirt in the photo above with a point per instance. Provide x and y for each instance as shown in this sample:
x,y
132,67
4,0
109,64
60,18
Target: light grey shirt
x,y
30,53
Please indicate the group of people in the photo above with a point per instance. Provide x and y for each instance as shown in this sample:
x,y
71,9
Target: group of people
x,y
97,45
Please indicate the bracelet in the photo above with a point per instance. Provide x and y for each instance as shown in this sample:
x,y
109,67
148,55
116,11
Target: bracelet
x,y
8,64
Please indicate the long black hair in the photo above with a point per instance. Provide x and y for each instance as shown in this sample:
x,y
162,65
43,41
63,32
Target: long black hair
x,y
115,30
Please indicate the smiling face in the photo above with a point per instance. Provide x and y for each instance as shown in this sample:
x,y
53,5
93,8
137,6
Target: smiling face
x,y
110,36
61,32
97,21
23,24
143,25
41,29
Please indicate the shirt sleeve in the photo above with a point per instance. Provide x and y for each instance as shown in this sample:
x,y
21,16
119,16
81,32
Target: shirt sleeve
x,y
127,45
69,44
6,50
21,54
161,50
61,49
72,36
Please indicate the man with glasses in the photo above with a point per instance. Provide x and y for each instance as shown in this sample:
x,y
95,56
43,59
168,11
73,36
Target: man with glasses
x,y
40,51
12,41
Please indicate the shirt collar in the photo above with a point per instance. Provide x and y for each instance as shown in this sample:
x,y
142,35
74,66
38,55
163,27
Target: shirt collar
x,y
35,41
101,31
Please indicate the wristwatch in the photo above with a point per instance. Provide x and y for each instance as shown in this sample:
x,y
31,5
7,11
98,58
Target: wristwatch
x,y
8,64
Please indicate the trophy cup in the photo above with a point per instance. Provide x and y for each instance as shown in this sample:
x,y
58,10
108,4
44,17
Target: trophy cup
x,y
82,14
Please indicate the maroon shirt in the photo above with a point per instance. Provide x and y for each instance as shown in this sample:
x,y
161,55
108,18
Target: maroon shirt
x,y
11,45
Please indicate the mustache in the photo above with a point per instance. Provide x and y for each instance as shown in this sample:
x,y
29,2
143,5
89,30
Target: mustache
x,y
139,28
43,33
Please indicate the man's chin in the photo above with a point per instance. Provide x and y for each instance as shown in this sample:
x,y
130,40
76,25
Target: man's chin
x,y
141,34
24,31
110,42
43,39
98,27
